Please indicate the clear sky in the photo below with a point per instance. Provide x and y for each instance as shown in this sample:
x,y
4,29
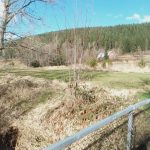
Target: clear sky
x,y
82,13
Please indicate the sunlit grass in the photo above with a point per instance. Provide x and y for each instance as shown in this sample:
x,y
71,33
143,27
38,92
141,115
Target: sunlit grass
x,y
106,79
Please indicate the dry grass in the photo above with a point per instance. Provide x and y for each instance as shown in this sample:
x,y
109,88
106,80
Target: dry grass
x,y
23,101
75,115
45,111
9,63
55,120
20,94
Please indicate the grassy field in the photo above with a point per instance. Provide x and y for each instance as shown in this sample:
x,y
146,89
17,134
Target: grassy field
x,y
116,80
109,79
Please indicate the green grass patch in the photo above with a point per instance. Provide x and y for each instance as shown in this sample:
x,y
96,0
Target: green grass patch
x,y
44,97
27,105
106,79
62,75
118,79
143,95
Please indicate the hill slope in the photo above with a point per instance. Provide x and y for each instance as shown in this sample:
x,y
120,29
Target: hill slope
x,y
58,48
128,38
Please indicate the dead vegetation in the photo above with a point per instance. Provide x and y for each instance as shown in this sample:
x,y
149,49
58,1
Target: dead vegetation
x,y
18,95
66,116
45,111
73,116
11,63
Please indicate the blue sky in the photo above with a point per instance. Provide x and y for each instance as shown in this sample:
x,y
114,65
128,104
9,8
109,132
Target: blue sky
x,y
82,13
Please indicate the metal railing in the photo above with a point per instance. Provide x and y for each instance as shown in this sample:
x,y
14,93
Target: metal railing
x,y
127,111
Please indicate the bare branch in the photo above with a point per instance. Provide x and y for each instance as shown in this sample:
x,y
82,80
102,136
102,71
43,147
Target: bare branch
x,y
13,8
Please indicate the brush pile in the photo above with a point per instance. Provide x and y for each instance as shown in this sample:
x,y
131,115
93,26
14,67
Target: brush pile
x,y
43,112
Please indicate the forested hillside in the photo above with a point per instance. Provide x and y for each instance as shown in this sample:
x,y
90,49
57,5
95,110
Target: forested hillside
x,y
60,48
127,38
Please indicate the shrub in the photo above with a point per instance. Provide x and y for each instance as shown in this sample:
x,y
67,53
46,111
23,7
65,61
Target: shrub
x,y
92,62
142,63
84,93
106,57
35,63
58,61
106,62
12,63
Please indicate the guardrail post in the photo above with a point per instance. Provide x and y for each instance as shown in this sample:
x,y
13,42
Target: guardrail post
x,y
130,131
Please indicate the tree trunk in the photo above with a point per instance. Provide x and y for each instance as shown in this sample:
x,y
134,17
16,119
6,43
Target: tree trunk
x,y
2,42
4,22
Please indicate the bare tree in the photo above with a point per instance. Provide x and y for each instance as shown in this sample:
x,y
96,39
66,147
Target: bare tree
x,y
9,10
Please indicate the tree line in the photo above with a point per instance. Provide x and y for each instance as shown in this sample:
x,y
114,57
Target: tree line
x,y
125,38
57,48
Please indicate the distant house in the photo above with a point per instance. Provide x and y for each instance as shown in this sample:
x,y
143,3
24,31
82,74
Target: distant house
x,y
111,54
101,55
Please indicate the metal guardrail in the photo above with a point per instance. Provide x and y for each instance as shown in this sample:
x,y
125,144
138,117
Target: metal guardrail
x,y
129,110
